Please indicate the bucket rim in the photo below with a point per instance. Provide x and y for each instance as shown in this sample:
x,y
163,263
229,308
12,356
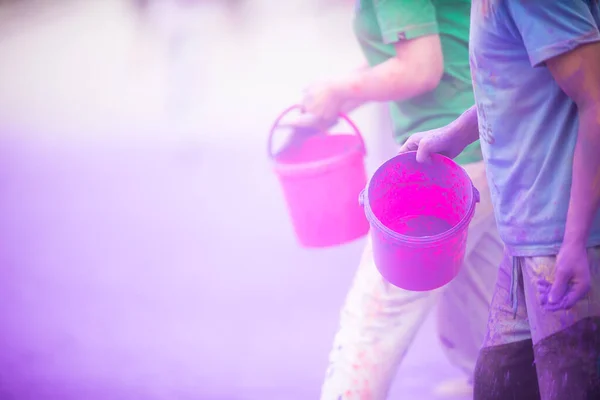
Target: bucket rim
x,y
317,166
425,240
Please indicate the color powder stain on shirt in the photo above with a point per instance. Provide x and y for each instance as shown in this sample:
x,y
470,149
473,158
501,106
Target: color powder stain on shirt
x,y
487,6
596,181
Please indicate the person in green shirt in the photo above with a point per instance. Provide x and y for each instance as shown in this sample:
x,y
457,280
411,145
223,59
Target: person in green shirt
x,y
417,52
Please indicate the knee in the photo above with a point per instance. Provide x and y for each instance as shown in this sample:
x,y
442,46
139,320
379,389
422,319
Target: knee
x,y
506,372
568,362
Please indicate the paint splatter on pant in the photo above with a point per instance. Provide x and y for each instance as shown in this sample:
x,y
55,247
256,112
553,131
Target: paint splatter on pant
x,y
530,353
379,321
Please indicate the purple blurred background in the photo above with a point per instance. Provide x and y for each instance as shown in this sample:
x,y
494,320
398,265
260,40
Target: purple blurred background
x,y
145,250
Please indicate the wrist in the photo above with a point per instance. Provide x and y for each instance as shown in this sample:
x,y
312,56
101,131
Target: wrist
x,y
345,91
573,243
575,238
347,88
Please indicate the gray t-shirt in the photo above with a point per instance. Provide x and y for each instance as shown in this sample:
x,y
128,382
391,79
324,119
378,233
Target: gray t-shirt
x,y
528,125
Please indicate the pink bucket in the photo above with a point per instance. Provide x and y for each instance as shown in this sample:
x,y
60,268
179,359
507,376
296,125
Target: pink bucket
x,y
419,214
321,179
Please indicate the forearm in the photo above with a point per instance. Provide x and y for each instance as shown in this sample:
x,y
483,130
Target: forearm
x,y
585,186
392,80
467,126
352,104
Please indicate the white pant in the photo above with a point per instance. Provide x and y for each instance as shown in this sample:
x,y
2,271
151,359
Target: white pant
x,y
379,320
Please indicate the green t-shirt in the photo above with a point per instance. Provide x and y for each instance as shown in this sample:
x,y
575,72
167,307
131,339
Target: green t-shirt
x,y
379,24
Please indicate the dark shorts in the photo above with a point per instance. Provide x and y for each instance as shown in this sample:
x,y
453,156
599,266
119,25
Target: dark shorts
x,y
530,353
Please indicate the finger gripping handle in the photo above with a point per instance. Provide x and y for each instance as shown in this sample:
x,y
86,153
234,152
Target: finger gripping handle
x,y
298,107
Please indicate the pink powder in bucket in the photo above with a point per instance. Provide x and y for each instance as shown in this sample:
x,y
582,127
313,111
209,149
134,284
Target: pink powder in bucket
x,y
419,215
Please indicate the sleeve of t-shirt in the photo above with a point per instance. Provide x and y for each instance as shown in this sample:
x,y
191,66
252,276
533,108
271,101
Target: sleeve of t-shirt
x,y
405,19
550,28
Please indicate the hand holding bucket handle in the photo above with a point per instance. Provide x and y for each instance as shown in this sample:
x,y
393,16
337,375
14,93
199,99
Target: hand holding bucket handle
x,y
298,107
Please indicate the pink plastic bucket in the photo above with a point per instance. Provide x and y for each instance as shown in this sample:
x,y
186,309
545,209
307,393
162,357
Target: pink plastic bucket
x,y
321,179
419,214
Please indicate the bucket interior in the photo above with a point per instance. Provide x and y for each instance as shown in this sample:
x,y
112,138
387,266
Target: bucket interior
x,y
420,200
319,148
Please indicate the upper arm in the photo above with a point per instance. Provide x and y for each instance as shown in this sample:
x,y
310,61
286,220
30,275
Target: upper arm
x,y
578,74
411,27
550,28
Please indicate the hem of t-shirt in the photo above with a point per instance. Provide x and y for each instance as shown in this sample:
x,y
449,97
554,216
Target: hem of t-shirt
x,y
539,56
521,250
409,32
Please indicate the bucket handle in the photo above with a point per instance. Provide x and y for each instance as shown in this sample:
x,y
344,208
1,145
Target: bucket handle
x,y
476,195
285,112
361,198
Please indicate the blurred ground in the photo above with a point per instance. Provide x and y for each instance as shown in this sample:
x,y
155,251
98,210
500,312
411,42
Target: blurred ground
x,y
146,251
